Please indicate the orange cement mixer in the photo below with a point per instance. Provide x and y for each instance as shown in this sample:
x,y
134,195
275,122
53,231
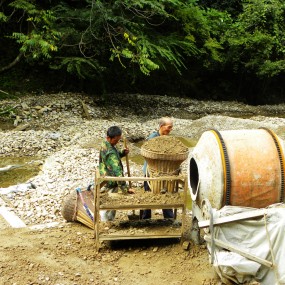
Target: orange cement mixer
x,y
238,168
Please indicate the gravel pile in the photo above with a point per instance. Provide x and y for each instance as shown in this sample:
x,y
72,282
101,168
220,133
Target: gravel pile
x,y
65,131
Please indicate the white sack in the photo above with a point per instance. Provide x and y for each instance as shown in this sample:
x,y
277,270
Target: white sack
x,y
254,236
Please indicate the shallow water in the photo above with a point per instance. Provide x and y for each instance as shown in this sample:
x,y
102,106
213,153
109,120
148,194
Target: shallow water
x,y
6,125
27,167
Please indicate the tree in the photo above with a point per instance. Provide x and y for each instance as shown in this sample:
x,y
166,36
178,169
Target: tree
x,y
205,27
83,36
255,42
35,34
233,7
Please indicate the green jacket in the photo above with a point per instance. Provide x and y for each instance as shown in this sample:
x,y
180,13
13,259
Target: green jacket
x,y
110,164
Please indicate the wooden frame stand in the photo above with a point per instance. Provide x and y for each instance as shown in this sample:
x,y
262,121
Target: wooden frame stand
x,y
168,230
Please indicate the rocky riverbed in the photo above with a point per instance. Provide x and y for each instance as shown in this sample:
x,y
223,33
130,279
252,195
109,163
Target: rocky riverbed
x,y
65,130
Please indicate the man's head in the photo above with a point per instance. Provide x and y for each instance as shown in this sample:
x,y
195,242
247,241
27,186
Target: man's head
x,y
165,125
114,134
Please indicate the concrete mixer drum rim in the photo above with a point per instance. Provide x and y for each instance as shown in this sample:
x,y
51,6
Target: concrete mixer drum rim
x,y
226,166
281,159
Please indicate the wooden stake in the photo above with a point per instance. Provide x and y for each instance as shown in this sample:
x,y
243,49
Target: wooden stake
x,y
127,162
233,218
239,251
128,168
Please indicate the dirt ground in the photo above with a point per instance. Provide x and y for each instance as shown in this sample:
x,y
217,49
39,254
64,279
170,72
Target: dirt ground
x,y
71,257
66,254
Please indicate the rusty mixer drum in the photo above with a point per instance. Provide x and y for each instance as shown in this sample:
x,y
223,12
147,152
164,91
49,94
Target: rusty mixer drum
x,y
238,168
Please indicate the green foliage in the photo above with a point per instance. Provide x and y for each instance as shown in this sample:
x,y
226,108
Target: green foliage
x,y
145,33
205,28
3,17
24,5
138,34
36,45
8,110
135,32
82,67
41,38
149,8
190,41
233,7
255,42
150,53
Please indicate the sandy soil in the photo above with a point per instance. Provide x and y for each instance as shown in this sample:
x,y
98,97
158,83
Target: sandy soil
x,y
165,145
66,254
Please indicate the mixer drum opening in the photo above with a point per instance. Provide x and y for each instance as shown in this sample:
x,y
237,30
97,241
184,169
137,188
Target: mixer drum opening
x,y
193,178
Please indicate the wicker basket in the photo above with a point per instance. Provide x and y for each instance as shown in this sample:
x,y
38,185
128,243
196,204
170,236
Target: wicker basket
x,y
73,209
160,164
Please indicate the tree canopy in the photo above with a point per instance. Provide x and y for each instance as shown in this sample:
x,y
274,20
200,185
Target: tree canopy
x,y
230,45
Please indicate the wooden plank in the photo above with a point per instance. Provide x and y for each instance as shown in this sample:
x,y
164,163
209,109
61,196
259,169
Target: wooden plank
x,y
239,251
233,218
12,219
96,210
140,206
185,188
146,236
150,234
162,178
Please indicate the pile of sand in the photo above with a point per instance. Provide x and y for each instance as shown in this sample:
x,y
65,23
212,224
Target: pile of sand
x,y
165,145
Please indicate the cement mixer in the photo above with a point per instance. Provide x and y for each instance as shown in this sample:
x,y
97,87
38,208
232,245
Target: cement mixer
x,y
237,168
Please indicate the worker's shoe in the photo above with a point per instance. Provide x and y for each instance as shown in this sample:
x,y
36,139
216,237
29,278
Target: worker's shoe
x,y
163,191
176,224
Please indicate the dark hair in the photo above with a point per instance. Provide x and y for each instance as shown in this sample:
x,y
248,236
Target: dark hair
x,y
114,131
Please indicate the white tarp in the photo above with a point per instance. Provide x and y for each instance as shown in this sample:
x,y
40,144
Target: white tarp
x,y
263,237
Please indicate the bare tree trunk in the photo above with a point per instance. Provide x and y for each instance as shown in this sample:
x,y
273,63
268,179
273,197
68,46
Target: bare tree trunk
x,y
16,60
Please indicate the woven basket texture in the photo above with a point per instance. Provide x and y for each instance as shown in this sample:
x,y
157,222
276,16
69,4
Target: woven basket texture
x,y
159,185
146,153
73,209
161,164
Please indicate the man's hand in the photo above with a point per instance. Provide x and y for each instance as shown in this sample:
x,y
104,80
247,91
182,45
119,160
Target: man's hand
x,y
131,191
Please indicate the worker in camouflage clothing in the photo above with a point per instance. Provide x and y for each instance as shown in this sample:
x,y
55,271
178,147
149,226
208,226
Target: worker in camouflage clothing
x,y
110,164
